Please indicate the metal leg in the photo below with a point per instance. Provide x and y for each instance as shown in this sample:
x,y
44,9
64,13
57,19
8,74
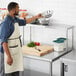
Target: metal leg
x,y
30,33
62,69
50,69
67,33
72,38
67,40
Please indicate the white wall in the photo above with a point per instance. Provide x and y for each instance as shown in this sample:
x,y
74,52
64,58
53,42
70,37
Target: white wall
x,y
64,10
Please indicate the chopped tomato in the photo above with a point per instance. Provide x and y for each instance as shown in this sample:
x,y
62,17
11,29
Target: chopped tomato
x,y
37,43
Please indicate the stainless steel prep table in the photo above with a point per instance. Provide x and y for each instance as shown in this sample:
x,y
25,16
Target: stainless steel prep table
x,y
51,57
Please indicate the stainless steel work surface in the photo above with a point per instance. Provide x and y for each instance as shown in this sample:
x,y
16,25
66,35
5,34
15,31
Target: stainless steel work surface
x,y
70,56
48,57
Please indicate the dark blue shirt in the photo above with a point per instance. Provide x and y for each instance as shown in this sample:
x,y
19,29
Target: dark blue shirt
x,y
7,28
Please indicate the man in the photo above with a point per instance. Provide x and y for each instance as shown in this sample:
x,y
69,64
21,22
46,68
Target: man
x,y
10,50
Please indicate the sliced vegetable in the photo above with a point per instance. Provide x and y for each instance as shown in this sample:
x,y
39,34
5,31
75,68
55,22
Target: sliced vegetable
x,y
31,44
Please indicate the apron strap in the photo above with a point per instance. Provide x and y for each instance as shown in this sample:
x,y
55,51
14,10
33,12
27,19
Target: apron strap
x,y
20,41
17,38
13,46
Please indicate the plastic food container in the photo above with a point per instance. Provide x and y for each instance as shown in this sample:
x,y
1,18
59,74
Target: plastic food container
x,y
64,39
59,44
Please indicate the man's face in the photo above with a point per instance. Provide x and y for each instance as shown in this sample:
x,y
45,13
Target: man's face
x,y
16,10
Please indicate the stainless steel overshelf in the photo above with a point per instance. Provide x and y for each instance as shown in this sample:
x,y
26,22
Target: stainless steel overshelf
x,y
52,26
60,27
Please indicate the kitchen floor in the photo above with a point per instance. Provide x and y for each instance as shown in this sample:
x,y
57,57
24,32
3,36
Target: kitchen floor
x,y
34,73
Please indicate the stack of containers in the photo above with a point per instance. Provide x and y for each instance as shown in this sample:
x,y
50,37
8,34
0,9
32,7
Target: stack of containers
x,y
59,44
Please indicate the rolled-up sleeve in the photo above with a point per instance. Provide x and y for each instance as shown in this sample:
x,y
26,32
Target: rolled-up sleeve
x,y
22,22
4,33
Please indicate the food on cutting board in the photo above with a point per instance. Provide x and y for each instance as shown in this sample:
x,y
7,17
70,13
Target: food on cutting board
x,y
33,44
37,50
37,43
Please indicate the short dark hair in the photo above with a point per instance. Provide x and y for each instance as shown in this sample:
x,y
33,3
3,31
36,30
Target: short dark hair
x,y
12,5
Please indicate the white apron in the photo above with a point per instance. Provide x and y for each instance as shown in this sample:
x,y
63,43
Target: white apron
x,y
15,51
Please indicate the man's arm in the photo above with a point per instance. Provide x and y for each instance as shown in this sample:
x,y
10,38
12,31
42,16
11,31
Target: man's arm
x,y
6,50
29,20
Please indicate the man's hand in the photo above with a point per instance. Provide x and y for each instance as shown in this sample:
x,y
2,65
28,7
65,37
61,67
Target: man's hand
x,y
9,60
39,16
6,50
